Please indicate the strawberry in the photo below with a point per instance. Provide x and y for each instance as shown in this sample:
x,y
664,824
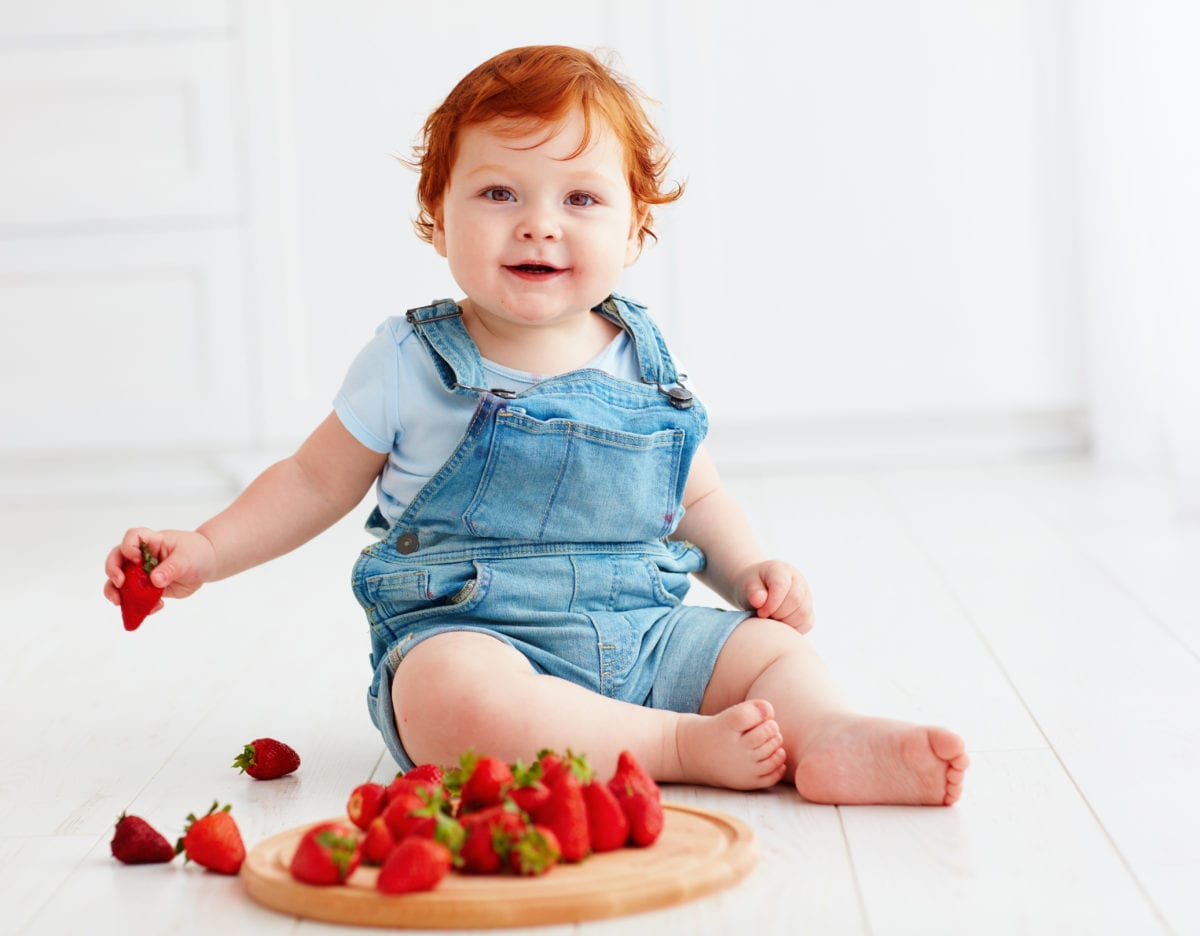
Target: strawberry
x,y
629,770
213,841
607,824
565,814
423,777
267,759
366,803
422,815
327,854
534,852
402,815
138,594
551,763
416,864
135,841
489,836
426,773
640,799
488,779
528,791
404,785
377,843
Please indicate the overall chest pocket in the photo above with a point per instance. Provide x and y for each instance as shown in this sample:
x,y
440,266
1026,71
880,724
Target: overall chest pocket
x,y
563,481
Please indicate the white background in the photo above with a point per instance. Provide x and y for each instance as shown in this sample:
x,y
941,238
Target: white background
x,y
925,229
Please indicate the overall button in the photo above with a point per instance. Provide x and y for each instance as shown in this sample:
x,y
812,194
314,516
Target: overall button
x,y
407,543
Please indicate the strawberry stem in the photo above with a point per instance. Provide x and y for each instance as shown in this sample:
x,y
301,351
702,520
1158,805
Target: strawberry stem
x,y
148,561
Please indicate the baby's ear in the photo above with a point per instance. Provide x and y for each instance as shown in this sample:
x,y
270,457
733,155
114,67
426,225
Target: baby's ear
x,y
633,247
439,232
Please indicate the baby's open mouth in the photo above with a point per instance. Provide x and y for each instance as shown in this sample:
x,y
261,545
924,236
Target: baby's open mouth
x,y
533,268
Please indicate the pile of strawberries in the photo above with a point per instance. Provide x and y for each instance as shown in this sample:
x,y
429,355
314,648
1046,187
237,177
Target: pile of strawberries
x,y
483,817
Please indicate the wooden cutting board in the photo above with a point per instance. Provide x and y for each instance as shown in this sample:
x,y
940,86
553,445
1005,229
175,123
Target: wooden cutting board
x,y
699,852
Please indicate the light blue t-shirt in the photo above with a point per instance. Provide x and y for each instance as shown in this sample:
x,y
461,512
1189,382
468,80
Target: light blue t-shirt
x,y
393,401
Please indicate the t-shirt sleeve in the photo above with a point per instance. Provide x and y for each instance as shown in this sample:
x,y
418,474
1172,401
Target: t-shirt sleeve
x,y
367,402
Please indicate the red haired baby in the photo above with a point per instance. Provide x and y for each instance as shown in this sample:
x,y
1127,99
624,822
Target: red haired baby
x,y
544,493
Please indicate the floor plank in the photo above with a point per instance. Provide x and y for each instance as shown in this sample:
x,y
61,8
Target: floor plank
x,y
1026,857
33,869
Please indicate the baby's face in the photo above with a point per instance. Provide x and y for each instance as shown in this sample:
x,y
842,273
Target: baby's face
x,y
531,235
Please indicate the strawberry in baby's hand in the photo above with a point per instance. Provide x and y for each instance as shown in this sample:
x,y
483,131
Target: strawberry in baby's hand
x,y
327,854
135,841
415,864
213,841
138,594
267,759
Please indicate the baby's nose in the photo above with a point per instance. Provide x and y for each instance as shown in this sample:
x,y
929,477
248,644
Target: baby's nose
x,y
539,225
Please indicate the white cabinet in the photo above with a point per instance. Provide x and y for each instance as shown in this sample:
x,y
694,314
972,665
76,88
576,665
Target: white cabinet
x,y
122,224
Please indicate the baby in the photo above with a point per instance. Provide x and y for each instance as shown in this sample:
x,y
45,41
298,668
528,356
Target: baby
x,y
543,490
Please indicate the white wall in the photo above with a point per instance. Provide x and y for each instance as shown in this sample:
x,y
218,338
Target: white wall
x,y
1135,86
876,256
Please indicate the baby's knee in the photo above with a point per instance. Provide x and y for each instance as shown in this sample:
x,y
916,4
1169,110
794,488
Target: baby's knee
x,y
453,675
446,690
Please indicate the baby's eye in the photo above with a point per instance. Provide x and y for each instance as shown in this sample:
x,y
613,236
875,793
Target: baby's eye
x,y
499,194
580,200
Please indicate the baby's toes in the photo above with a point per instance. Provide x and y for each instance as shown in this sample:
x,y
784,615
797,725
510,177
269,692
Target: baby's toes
x,y
774,766
766,733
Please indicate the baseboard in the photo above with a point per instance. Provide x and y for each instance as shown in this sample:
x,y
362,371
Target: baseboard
x,y
883,440
853,442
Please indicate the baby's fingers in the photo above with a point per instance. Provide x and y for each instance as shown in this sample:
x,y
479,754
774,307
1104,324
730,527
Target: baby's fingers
x,y
797,611
778,584
112,566
131,543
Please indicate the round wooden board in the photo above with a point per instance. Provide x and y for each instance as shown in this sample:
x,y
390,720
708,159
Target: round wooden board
x,y
699,852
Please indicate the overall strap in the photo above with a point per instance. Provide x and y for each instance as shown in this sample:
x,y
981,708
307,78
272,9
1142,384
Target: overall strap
x,y
654,360
439,327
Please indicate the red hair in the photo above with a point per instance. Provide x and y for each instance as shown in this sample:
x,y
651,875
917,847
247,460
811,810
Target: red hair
x,y
542,84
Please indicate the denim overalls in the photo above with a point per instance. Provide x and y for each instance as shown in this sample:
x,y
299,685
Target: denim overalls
x,y
547,527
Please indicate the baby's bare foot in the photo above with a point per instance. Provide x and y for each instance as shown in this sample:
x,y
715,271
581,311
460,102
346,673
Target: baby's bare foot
x,y
859,760
740,748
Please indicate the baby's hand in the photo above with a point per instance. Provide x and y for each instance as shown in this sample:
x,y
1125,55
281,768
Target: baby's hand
x,y
185,562
777,590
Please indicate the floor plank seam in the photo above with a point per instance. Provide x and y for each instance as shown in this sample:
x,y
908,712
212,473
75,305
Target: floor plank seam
x,y
854,879
1115,577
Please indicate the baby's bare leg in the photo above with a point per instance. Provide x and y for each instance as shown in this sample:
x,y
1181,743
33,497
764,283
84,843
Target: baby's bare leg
x,y
464,690
834,755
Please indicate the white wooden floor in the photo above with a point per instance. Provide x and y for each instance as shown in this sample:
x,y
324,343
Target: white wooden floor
x,y
1049,613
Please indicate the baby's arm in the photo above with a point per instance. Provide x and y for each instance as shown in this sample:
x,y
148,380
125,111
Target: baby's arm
x,y
284,507
737,569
